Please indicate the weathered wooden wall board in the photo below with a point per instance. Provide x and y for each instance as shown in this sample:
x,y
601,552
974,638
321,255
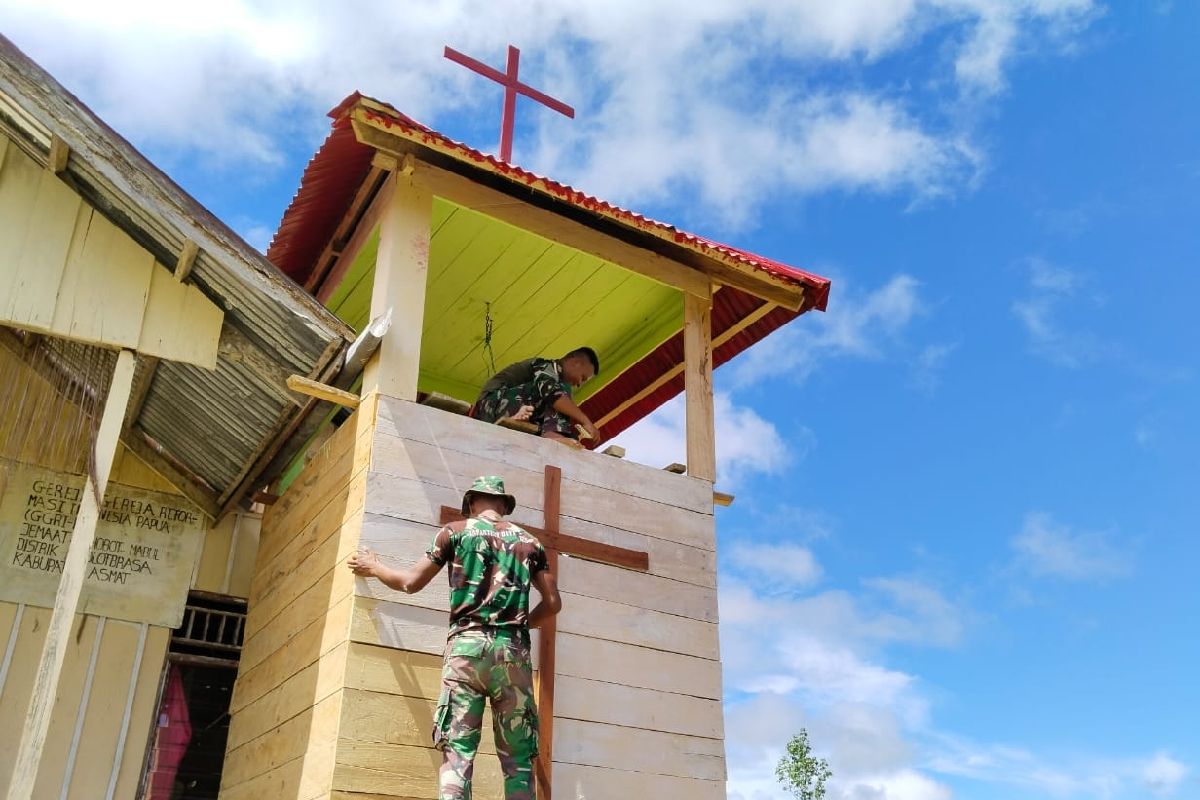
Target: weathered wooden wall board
x,y
287,698
637,707
105,698
140,567
66,270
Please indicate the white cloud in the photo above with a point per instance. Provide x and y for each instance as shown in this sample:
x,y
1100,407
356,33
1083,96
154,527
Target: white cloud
x,y
1053,293
1069,776
811,662
1047,548
926,614
818,661
746,443
855,327
787,562
929,364
994,39
1163,774
671,96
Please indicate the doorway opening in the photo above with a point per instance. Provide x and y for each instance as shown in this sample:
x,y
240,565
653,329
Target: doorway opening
x,y
186,751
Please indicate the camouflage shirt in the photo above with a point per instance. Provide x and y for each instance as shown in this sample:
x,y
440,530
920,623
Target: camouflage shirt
x,y
492,563
532,370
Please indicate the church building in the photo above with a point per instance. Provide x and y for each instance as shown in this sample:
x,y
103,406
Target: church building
x,y
243,424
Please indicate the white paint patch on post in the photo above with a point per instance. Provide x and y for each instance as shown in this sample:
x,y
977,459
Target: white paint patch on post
x,y
82,713
232,555
66,600
134,674
12,645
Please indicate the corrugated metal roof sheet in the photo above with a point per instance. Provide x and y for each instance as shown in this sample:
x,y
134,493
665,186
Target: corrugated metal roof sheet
x,y
335,173
215,424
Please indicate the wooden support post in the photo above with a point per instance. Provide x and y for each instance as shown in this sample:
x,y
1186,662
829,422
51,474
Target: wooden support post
x,y
670,375
401,272
697,381
70,585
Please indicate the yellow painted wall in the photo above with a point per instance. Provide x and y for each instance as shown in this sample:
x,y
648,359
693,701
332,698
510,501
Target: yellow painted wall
x,y
288,695
104,712
67,270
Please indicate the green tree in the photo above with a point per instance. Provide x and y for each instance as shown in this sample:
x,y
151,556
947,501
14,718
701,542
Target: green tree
x,y
802,773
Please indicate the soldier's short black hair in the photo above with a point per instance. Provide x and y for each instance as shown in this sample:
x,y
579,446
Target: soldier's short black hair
x,y
587,353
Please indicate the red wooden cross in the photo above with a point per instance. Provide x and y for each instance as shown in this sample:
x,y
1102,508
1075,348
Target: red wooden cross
x,y
512,87
557,542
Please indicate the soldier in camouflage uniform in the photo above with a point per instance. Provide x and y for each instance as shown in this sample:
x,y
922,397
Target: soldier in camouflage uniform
x,y
539,390
492,565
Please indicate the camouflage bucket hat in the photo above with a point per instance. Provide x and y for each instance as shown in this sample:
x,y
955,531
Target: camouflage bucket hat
x,y
488,484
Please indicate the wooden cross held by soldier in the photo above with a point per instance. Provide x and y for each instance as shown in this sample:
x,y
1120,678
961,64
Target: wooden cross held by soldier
x,y
557,543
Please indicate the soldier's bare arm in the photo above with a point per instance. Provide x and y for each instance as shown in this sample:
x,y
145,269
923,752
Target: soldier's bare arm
x,y
412,579
551,603
565,405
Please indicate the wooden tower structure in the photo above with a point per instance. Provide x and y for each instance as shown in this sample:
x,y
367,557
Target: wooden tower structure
x,y
160,375
477,263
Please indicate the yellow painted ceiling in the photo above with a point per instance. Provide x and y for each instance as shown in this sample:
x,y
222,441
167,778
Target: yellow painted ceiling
x,y
543,299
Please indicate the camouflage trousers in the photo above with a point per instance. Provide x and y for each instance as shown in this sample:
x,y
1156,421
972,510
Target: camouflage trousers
x,y
540,393
480,666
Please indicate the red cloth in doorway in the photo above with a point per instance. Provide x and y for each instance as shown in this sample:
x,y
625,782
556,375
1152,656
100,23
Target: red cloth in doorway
x,y
174,733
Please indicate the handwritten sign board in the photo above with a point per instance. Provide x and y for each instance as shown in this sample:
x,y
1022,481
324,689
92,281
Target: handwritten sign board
x,y
141,563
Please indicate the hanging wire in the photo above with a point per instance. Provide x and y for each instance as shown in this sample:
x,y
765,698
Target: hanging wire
x,y
489,357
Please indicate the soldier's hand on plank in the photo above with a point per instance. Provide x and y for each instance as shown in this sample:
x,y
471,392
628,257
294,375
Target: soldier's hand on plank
x,y
523,413
363,562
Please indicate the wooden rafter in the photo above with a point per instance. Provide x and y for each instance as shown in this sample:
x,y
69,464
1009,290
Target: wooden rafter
x,y
186,260
190,485
372,128
322,391
677,370
60,152
341,250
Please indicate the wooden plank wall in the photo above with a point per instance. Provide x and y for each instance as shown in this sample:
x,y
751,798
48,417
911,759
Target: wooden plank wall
x,y
226,565
93,697
288,696
638,689
66,270
104,710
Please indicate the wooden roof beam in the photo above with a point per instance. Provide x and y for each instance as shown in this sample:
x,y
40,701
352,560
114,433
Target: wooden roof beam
x,y
699,259
555,227
719,340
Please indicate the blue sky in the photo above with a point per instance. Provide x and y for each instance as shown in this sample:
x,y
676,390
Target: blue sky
x,y
973,478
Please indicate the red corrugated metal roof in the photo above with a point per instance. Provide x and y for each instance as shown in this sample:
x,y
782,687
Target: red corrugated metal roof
x,y
336,172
